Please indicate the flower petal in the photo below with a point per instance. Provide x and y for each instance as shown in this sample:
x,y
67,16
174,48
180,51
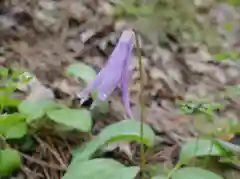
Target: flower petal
x,y
125,82
125,94
115,72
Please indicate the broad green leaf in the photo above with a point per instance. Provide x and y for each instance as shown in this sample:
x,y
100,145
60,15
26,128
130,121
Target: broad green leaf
x,y
81,70
9,120
47,105
13,118
128,130
199,148
9,161
16,131
36,109
79,119
123,130
100,168
194,173
31,109
8,101
160,177
7,91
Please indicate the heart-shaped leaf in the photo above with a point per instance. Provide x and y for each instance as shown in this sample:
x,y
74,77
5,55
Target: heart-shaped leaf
x,y
79,119
100,168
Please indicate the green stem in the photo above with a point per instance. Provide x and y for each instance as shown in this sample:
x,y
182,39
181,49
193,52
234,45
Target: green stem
x,y
141,100
177,166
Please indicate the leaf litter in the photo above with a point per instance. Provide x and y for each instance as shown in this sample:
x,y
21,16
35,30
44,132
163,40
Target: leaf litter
x,y
45,37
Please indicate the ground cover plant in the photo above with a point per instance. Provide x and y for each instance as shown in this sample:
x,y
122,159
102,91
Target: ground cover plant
x,y
198,155
41,123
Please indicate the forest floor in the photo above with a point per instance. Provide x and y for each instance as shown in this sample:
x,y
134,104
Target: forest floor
x,y
44,37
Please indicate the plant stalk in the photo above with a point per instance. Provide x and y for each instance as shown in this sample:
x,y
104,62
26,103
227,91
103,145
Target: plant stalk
x,y
141,101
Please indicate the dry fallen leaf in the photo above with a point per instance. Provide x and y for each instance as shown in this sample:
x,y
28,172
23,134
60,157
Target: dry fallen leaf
x,y
171,123
40,92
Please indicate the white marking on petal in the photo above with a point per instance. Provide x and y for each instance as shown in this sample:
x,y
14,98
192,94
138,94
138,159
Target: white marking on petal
x,y
127,36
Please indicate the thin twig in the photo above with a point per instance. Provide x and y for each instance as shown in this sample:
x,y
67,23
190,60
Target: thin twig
x,y
30,174
46,173
43,163
57,156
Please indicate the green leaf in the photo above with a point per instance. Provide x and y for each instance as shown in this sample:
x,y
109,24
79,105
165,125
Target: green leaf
x,y
79,119
17,72
222,56
100,168
123,130
3,72
16,131
227,55
160,177
81,70
9,120
199,148
8,101
194,173
9,161
36,109
229,146
128,130
31,109
12,118
47,105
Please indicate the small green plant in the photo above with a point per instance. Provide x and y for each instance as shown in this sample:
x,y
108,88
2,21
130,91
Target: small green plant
x,y
205,155
18,117
199,158
30,116
227,56
129,130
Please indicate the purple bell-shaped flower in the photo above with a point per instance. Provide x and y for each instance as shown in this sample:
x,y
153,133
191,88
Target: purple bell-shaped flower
x,y
115,73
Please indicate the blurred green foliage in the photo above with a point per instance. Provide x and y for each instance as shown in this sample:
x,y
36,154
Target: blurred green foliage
x,y
158,18
233,2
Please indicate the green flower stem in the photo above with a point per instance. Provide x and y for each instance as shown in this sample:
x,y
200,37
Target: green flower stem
x,y
141,101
